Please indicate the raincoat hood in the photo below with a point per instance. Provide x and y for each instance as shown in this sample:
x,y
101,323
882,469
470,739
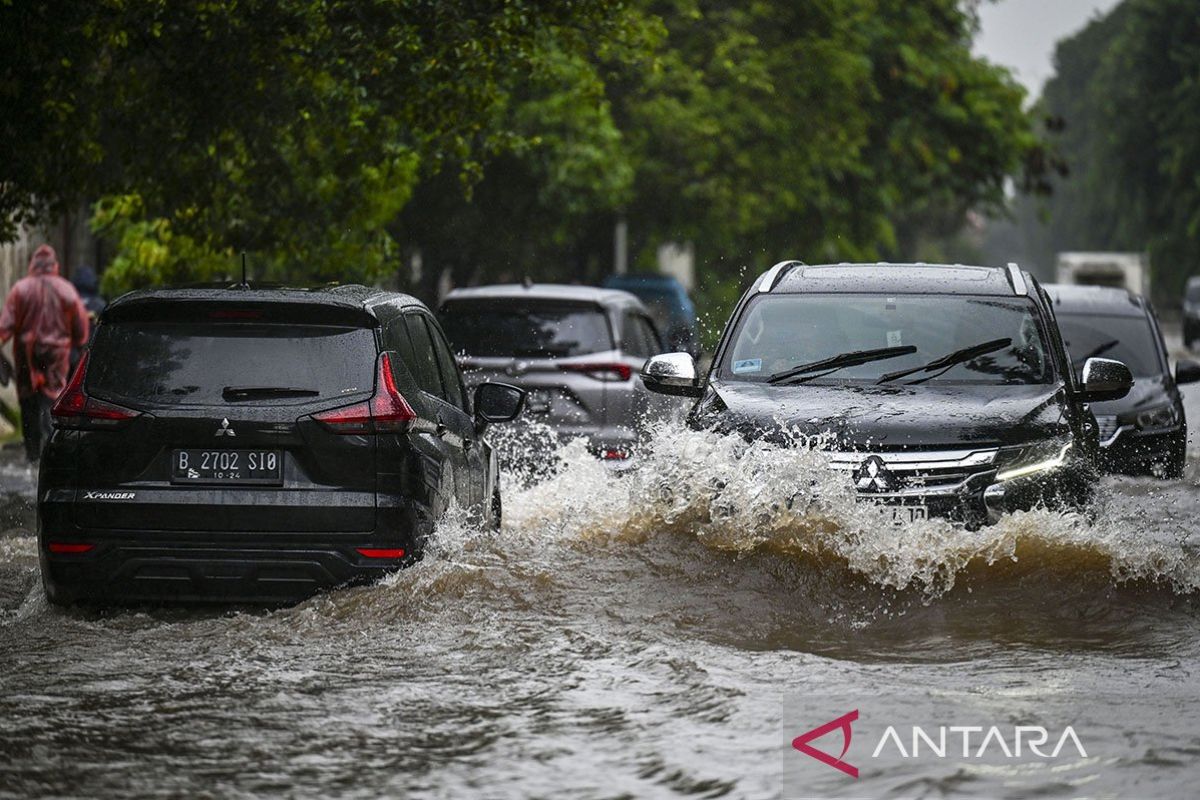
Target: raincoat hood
x,y
44,261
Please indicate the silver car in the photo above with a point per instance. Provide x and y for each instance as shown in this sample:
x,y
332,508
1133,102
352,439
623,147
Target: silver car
x,y
577,350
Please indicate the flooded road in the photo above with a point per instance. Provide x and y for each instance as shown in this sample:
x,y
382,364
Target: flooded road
x,y
657,634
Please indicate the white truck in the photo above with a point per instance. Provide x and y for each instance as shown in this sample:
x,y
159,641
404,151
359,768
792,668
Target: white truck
x,y
1121,270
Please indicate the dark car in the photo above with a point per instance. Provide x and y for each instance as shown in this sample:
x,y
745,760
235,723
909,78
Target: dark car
x,y
252,444
1191,311
669,304
939,390
1144,432
576,349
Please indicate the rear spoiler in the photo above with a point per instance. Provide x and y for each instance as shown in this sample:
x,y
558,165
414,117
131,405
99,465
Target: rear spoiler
x,y
276,310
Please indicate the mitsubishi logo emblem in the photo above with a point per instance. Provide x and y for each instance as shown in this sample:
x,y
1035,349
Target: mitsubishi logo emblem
x,y
874,476
225,430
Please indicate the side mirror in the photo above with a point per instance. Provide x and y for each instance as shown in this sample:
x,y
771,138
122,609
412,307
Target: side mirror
x,y
1105,379
498,402
1187,371
673,374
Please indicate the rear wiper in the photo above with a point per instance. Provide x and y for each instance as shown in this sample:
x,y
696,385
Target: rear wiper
x,y
252,392
950,359
837,362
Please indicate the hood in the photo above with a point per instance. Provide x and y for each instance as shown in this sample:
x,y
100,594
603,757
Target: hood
x,y
1146,393
44,261
890,417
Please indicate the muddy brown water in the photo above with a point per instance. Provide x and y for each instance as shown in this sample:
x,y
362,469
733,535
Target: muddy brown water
x,y
650,635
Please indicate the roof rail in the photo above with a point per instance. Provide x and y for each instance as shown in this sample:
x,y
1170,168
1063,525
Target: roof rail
x,y
772,276
1017,279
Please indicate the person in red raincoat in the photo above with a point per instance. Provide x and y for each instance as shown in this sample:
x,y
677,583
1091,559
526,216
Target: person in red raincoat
x,y
46,317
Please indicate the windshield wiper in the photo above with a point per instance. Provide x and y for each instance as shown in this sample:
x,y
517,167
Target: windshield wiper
x,y
252,392
825,365
950,359
1103,348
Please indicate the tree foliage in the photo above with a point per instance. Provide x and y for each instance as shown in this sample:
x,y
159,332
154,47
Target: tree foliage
x,y
1125,104
503,137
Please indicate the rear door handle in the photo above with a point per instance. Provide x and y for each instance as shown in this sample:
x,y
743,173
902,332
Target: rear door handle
x,y
441,430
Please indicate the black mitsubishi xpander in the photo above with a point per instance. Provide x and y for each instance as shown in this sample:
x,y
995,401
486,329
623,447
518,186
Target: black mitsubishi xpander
x,y
938,390
256,444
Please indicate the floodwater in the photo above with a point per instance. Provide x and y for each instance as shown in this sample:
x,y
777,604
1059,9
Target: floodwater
x,y
644,635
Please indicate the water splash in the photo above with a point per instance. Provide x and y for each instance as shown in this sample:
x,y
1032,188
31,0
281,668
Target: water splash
x,y
783,499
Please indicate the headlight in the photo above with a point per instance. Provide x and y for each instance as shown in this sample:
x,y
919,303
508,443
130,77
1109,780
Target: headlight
x,y
1041,458
1157,417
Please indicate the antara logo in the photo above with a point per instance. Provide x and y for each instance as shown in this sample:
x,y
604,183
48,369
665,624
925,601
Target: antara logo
x,y
949,741
801,743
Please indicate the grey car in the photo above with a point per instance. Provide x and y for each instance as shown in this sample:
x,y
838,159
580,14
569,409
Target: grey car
x,y
577,350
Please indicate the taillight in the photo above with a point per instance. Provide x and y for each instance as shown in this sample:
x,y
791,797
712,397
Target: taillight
x,y
75,409
614,454
386,412
601,371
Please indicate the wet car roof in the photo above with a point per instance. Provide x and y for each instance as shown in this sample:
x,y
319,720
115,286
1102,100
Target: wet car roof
x,y
899,278
1075,299
545,291
350,296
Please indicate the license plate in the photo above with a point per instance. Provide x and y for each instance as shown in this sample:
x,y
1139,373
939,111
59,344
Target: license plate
x,y
263,467
905,515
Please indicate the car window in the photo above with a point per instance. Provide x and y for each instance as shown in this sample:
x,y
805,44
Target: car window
x,y
185,363
633,336
1127,339
653,342
451,379
780,332
423,365
529,329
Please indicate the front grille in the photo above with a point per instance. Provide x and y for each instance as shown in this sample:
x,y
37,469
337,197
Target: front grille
x,y
914,473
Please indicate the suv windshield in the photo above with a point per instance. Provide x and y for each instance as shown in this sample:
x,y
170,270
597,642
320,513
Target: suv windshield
x,y
187,364
504,329
781,332
1127,339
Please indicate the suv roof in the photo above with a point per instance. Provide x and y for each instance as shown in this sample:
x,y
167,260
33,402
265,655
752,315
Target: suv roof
x,y
795,276
350,297
1074,298
546,291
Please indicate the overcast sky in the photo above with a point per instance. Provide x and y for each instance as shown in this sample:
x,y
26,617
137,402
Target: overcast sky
x,y
1022,33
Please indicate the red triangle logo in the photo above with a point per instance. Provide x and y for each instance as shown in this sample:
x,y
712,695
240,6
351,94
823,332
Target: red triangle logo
x,y
801,743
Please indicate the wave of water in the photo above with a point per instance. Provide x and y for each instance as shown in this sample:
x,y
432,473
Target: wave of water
x,y
754,498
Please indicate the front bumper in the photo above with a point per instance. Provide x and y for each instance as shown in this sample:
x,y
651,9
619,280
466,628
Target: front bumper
x,y
1133,451
962,486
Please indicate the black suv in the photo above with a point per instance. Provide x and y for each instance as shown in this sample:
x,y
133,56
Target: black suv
x,y
258,444
939,390
1145,431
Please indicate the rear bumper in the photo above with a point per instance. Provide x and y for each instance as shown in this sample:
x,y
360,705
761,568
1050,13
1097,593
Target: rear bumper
x,y
150,567
140,565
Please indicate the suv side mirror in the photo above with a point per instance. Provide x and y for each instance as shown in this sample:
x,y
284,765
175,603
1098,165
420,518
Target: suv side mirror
x,y
1187,371
498,402
1105,379
673,374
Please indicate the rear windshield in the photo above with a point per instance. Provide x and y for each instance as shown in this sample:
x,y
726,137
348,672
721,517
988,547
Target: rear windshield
x,y
1127,339
548,330
183,364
